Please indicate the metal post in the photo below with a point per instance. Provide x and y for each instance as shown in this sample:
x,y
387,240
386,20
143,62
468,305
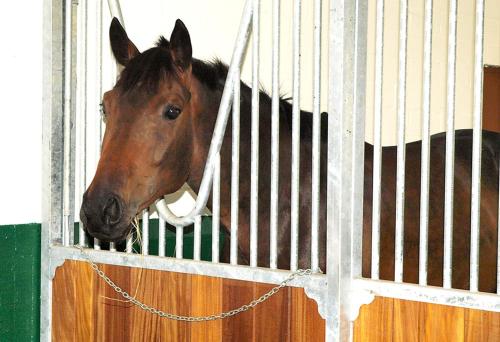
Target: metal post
x,y
450,146
316,139
145,232
476,146
377,140
216,210
294,201
52,145
235,169
254,177
197,238
425,166
401,151
275,131
161,237
347,49
179,232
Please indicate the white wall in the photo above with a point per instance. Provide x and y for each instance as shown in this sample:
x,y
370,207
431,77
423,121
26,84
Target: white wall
x,y
21,111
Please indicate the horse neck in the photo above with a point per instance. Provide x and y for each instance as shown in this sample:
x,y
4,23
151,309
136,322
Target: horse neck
x,y
204,110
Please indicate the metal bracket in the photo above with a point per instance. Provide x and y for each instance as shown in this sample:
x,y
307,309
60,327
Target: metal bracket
x,y
317,292
54,263
357,297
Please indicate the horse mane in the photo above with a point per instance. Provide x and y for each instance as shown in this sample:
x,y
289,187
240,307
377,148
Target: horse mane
x,y
145,71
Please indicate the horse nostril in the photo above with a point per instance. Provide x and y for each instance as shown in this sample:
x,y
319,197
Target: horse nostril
x,y
112,211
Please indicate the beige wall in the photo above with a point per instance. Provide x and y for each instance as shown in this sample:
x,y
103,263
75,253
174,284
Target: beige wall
x,y
465,60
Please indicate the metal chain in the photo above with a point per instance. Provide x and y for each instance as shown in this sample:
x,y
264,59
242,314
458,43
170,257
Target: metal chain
x,y
243,308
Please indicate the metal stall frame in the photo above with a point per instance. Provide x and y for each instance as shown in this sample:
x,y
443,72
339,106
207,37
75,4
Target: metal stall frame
x,y
342,290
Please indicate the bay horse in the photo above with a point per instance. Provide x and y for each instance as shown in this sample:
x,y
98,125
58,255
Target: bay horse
x,y
160,117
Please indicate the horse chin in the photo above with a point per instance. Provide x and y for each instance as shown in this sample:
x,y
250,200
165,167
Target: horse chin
x,y
115,233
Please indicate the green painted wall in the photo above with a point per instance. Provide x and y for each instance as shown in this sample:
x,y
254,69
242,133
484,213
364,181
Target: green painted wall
x,y
20,282
20,273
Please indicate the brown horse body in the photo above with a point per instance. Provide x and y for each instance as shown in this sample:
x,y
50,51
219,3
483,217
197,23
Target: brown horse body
x,y
160,119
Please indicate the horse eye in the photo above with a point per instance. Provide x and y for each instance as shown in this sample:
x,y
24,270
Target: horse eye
x,y
171,112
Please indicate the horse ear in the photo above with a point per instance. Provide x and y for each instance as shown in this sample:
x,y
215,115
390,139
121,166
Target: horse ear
x,y
123,48
180,45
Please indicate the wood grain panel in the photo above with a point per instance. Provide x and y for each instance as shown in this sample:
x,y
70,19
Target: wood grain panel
x,y
443,323
302,327
206,299
272,325
239,327
63,296
407,321
87,309
375,321
482,326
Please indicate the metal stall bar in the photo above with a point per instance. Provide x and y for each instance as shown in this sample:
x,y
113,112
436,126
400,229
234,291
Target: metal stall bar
x,y
235,169
52,145
197,238
275,131
450,145
69,118
377,139
161,236
179,230
294,201
316,136
476,146
99,43
216,210
112,247
145,232
400,175
498,237
425,166
346,74
82,109
254,166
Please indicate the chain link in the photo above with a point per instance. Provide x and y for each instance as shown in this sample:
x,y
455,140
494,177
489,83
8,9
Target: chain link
x,y
243,308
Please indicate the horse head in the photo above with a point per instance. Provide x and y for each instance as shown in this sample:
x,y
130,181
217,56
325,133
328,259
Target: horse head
x,y
146,149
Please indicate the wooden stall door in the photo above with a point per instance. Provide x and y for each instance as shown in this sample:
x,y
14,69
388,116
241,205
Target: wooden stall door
x,y
87,309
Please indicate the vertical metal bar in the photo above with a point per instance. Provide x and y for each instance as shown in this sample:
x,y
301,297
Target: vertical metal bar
x,y
275,132
476,146
129,248
161,236
342,152
145,232
316,135
197,238
425,166
216,210
112,247
400,176
358,132
294,201
99,43
450,146
254,181
235,170
52,144
179,232
377,140
67,140
82,108
498,238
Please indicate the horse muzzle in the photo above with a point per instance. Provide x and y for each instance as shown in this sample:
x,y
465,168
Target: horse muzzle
x,y
104,217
